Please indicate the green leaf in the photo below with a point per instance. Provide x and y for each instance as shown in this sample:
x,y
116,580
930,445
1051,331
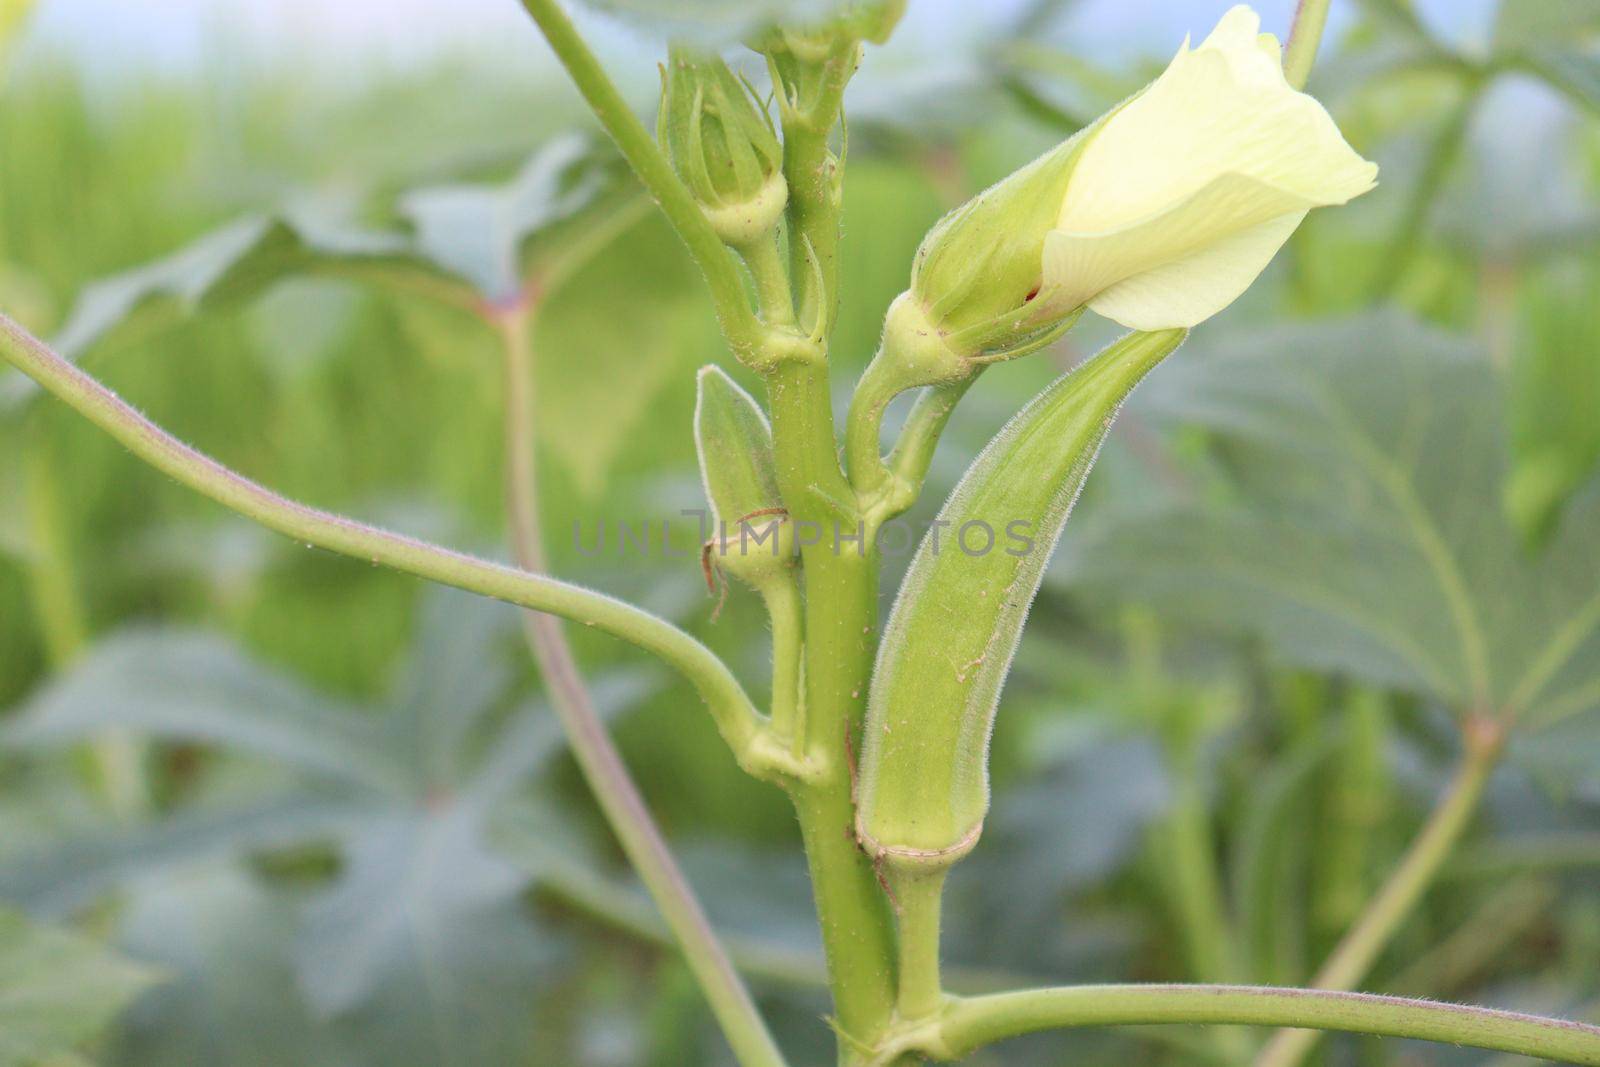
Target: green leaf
x,y
197,687
599,374
233,1000
1366,532
1554,392
72,870
950,639
467,240
483,234
57,990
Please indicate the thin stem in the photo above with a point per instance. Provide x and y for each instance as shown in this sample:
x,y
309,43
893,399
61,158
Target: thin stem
x,y
741,724
597,756
1385,913
972,1023
116,759
739,324
918,897
1435,171
863,431
809,116
773,293
786,610
1300,54
919,438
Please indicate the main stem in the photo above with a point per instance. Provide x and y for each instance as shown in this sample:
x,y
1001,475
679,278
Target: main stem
x,y
841,588
972,1023
597,757
1365,941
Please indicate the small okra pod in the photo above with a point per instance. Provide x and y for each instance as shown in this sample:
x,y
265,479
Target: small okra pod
x,y
950,638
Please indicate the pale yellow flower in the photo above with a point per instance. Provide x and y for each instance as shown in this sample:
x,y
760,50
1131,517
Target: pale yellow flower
x,y
1181,197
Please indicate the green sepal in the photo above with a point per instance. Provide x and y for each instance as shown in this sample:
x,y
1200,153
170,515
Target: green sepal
x,y
949,642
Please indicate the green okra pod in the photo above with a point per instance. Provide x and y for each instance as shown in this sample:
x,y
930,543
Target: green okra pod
x,y
923,788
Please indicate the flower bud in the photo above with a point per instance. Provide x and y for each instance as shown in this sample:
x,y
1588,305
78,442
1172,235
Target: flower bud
x,y
752,537
1158,215
723,145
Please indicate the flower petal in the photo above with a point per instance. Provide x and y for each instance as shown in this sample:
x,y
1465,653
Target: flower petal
x,y
1212,112
1188,291
1080,267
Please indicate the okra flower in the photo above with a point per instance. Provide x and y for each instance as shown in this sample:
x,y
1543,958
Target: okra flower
x,y
1158,215
1182,197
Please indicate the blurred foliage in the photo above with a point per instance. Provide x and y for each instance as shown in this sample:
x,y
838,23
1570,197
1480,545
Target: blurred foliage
x,y
1360,504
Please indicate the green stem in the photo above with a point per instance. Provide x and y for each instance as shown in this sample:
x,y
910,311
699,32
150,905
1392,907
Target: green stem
x,y
841,597
1385,913
1436,168
863,431
786,610
919,438
773,293
1196,884
602,766
741,724
972,1023
918,897
739,324
116,759
1310,18
809,116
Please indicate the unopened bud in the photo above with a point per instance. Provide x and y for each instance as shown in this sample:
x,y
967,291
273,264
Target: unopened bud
x,y
722,143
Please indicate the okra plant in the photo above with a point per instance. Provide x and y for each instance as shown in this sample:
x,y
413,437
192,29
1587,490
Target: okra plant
x,y
1157,215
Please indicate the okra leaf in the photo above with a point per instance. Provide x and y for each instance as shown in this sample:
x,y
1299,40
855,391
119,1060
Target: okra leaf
x,y
483,234
954,628
463,243
57,990
197,687
233,1000
1364,531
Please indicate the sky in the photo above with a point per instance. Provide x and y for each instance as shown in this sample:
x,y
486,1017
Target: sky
x,y
115,38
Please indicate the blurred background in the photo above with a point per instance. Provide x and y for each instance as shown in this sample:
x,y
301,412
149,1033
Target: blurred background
x,y
260,805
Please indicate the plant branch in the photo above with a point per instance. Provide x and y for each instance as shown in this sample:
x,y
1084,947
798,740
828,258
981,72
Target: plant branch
x,y
1394,902
597,756
743,331
969,1024
742,726
787,612
1300,54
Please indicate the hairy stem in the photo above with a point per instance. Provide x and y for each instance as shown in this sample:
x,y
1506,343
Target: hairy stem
x,y
1385,913
601,763
918,899
972,1023
841,596
741,724
639,148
